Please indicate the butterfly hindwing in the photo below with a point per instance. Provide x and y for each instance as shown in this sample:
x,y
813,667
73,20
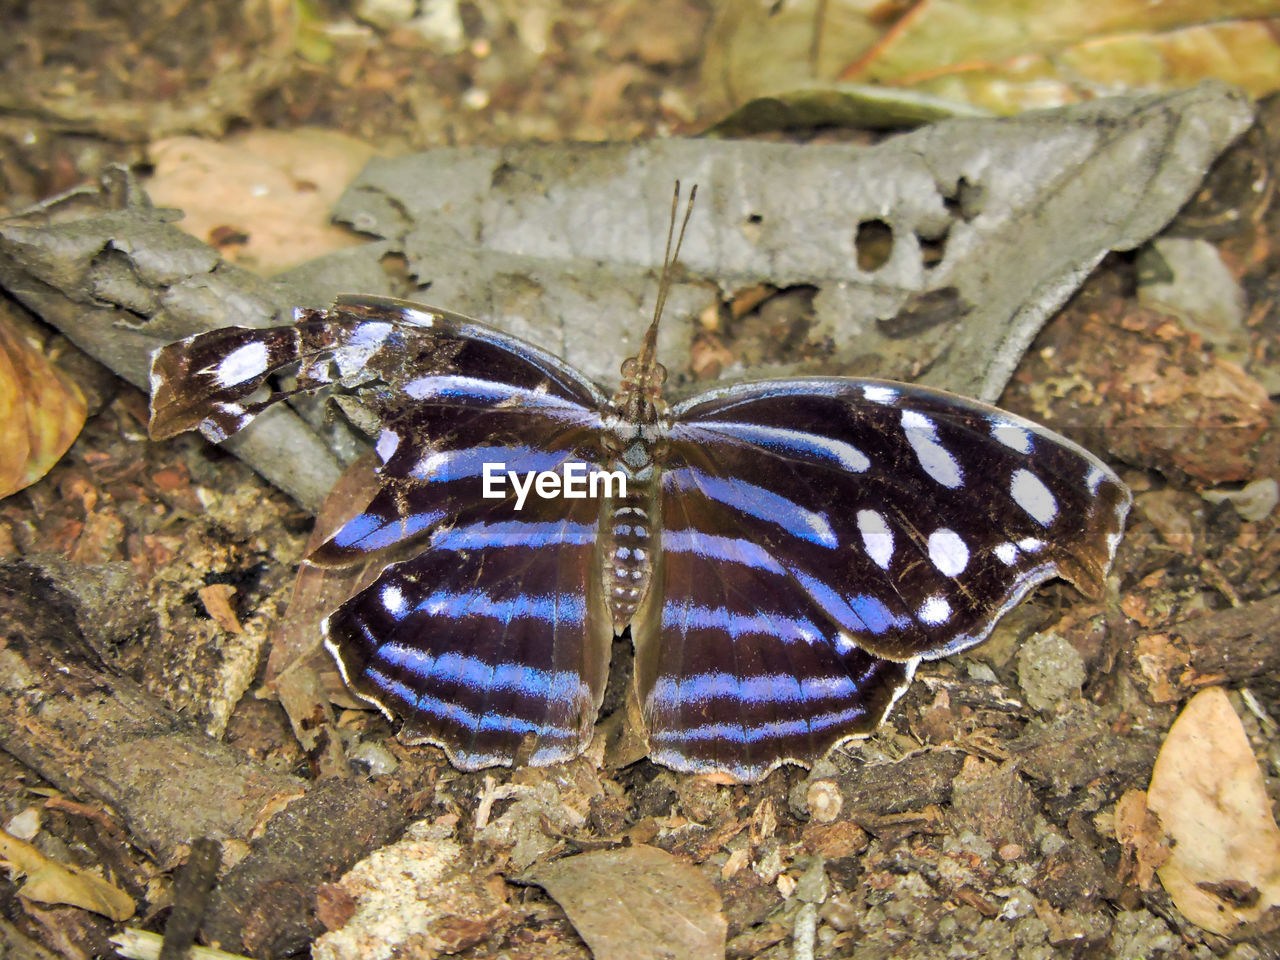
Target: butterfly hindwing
x,y
488,641
738,668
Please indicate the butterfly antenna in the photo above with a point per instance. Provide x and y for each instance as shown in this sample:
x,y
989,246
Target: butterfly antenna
x,y
649,349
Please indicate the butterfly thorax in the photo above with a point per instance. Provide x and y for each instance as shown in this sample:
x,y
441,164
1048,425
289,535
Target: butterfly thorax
x,y
634,444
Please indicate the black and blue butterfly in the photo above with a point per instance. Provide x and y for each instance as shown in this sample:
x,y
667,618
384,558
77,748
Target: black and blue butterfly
x,y
785,554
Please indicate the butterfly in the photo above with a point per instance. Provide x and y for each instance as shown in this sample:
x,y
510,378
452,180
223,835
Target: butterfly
x,y
784,552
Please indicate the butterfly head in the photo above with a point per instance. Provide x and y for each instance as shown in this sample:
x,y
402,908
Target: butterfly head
x,y
639,399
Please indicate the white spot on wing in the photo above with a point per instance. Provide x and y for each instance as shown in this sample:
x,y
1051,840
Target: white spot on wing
x,y
241,364
878,394
419,318
1094,479
1030,493
935,459
935,611
393,599
352,356
877,538
948,552
1011,435
388,443
1006,553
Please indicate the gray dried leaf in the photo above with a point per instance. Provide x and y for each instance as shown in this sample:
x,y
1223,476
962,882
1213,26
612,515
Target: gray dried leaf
x,y
558,244
115,275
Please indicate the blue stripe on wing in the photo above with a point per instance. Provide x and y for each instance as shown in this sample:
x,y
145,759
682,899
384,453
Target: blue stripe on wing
x,y
755,501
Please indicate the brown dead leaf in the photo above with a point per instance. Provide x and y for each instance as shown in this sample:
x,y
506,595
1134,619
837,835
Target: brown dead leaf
x,y
262,198
1164,665
1001,55
299,670
637,903
41,412
1224,869
1008,56
49,881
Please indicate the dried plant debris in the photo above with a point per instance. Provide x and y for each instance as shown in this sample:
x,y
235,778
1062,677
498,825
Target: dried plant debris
x,y
112,272
115,74
41,411
1235,645
1146,388
49,881
637,903
1224,867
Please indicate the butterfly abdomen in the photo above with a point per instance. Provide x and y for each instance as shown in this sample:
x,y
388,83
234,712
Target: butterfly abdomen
x,y
629,523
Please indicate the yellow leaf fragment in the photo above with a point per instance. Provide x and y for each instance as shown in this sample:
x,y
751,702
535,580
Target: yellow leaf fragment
x,y
1224,869
49,881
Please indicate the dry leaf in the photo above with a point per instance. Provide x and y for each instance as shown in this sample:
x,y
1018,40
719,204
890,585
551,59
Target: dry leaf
x,y
41,412
637,903
49,881
262,198
1206,787
1001,55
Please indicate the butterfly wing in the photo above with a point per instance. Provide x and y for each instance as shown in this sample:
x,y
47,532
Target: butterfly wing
x,y
485,630
823,535
220,380
492,642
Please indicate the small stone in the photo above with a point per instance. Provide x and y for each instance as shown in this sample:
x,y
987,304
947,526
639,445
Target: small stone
x,y
1050,671
24,825
1010,851
824,801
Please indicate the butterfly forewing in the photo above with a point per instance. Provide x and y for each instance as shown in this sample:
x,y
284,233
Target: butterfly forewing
x,y
220,380
913,516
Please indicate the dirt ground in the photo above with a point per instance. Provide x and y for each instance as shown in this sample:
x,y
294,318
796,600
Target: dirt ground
x,y
146,579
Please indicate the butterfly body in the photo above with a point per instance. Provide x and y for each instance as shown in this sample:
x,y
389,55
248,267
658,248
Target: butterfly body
x,y
785,553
